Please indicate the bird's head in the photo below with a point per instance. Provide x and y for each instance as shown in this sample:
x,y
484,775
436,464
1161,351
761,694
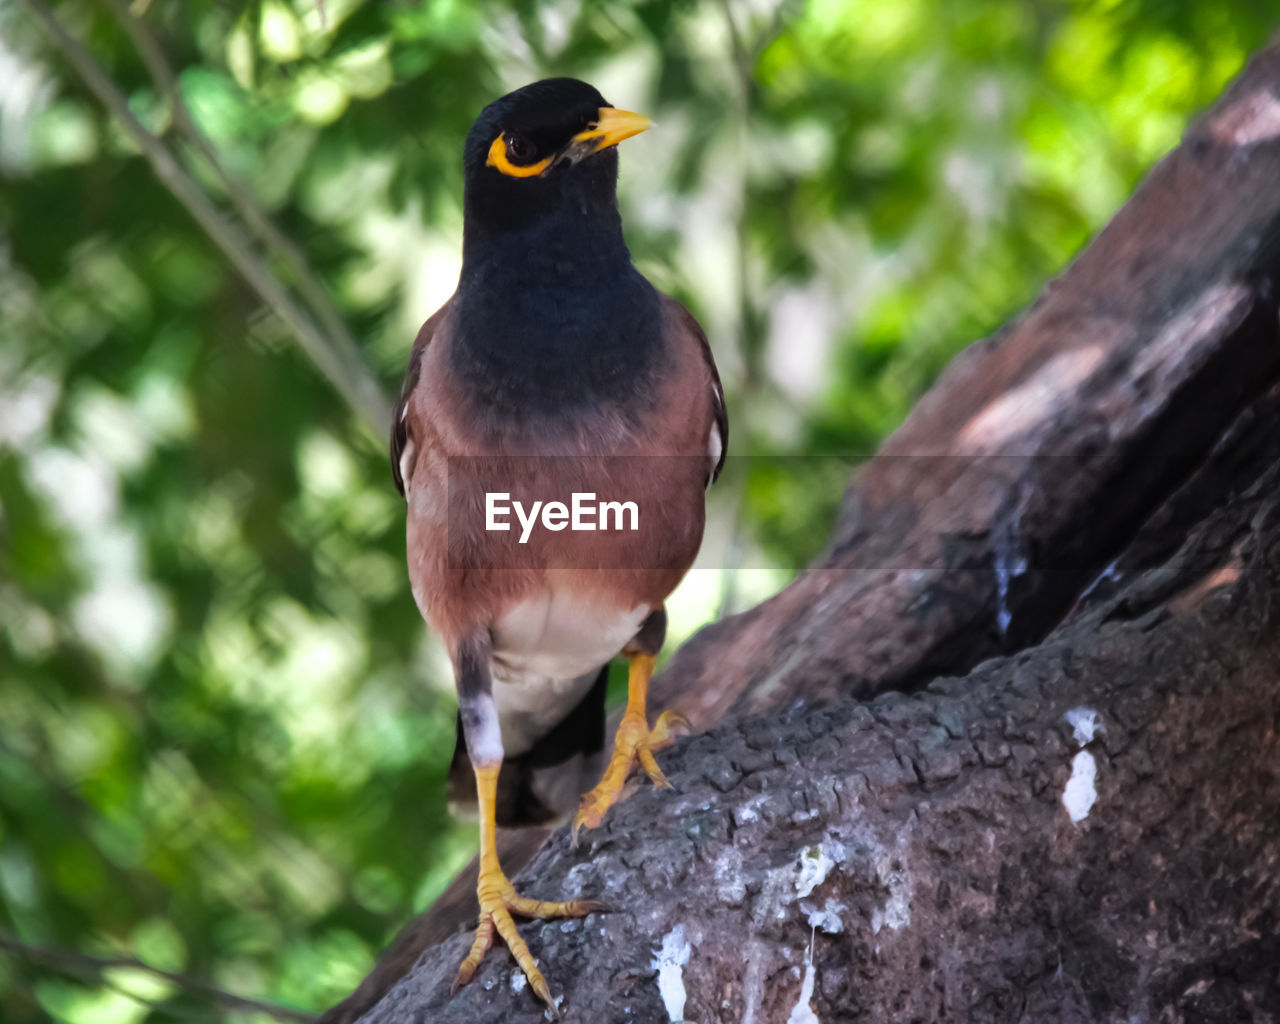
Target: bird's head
x,y
544,148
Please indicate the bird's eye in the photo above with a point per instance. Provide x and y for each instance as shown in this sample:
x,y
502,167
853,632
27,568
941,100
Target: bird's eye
x,y
519,149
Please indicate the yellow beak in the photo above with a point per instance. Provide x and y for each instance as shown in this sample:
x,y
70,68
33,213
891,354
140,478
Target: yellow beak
x,y
612,126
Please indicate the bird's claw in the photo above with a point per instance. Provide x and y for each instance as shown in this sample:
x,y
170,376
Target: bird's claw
x,y
635,743
498,901
671,723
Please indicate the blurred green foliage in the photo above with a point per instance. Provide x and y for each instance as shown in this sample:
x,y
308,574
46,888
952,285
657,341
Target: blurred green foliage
x,y
223,730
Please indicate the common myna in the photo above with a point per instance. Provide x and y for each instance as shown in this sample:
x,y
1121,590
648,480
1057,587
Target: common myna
x,y
555,370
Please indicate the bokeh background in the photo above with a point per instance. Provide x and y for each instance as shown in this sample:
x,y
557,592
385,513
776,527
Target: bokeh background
x,y
223,727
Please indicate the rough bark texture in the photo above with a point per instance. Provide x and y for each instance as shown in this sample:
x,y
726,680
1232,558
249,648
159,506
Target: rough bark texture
x,y
1088,502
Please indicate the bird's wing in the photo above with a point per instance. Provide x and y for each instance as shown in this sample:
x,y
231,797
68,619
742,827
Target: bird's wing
x,y
402,442
718,443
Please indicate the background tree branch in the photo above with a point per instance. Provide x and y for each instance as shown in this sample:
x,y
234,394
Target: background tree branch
x,y
84,965
334,354
241,197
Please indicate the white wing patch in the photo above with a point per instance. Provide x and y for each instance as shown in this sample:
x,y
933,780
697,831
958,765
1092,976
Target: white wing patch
x,y
715,445
406,464
715,442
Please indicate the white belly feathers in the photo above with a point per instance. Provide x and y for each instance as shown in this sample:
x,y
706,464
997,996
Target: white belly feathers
x,y
546,653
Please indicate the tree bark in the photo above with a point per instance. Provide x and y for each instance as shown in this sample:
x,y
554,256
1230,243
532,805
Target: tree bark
x,y
1079,523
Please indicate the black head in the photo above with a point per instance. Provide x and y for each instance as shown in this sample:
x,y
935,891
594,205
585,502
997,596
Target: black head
x,y
550,313
543,150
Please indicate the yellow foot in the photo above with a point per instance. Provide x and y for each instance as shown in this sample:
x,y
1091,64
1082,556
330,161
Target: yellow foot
x,y
635,742
498,901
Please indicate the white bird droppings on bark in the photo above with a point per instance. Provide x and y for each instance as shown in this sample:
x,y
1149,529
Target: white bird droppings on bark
x,y
827,919
669,962
1080,795
1085,724
802,1012
815,863
896,912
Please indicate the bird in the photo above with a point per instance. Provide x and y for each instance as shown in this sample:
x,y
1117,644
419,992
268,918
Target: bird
x,y
555,369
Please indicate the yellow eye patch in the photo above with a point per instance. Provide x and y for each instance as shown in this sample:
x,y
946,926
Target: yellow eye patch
x,y
498,158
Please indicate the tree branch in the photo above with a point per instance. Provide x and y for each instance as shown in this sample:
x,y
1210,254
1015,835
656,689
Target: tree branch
x,y
257,219
94,967
337,358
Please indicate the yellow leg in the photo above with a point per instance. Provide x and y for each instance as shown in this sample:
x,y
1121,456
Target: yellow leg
x,y
635,742
499,900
